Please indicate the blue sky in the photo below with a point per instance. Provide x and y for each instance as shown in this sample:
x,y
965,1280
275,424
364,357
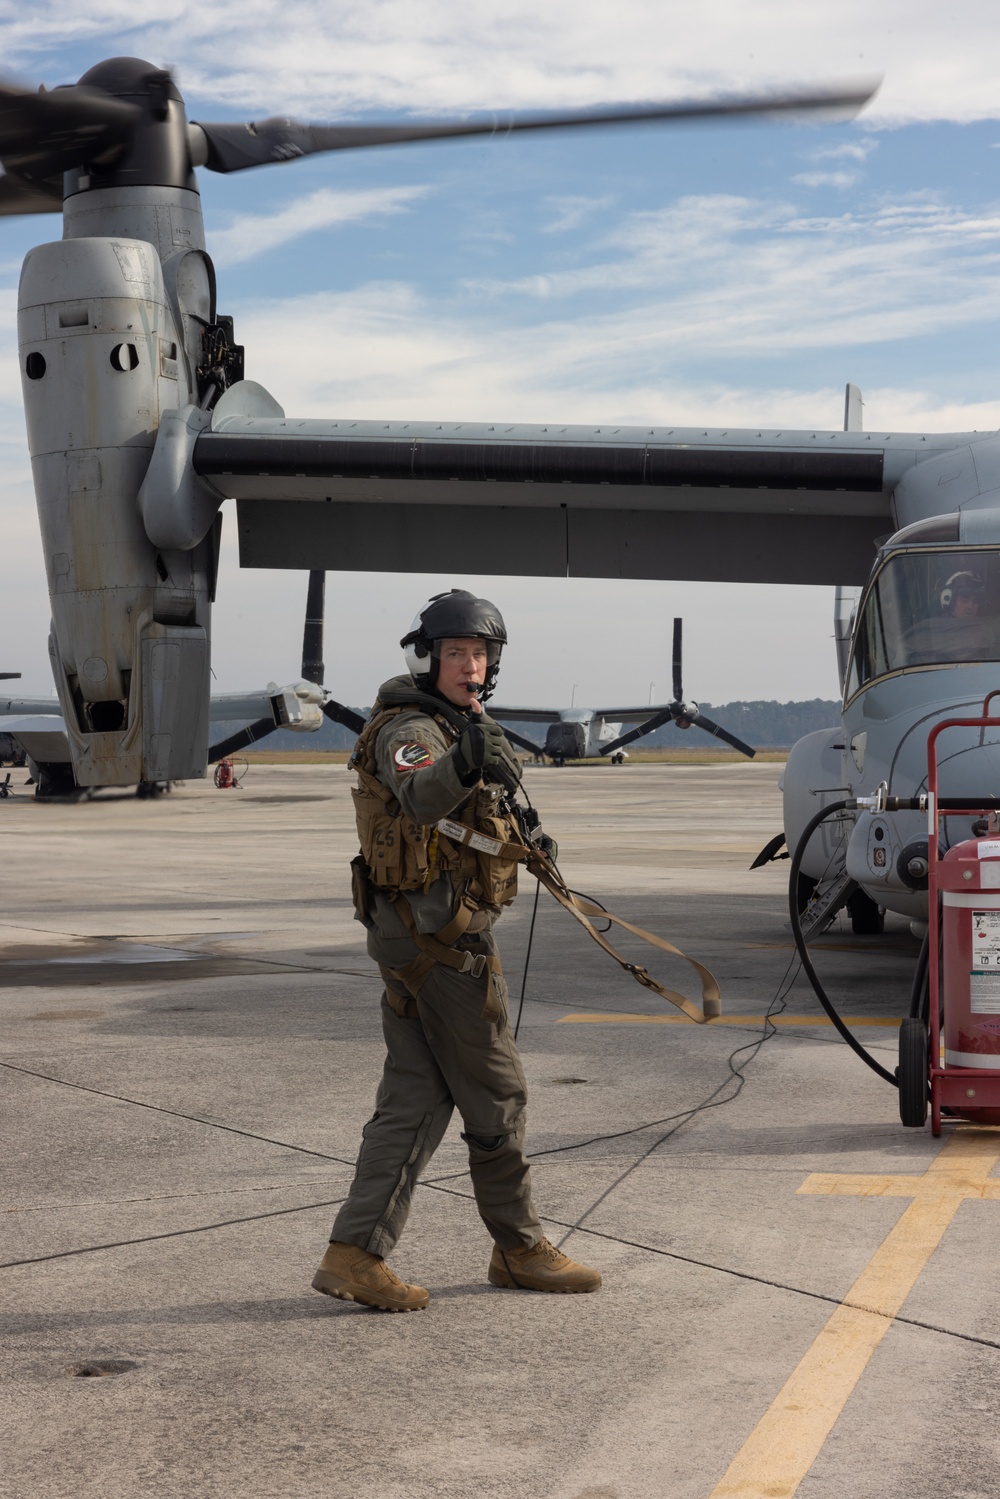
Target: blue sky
x,y
732,275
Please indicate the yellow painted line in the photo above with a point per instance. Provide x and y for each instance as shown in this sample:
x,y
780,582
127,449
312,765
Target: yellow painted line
x,y
790,1435
613,1019
845,947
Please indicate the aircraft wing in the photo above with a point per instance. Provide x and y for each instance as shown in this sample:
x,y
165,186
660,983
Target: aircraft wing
x,y
555,501
225,706
524,715
628,715
29,707
221,707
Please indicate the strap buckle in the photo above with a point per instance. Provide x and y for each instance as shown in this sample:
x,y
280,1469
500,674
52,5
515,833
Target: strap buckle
x,y
474,963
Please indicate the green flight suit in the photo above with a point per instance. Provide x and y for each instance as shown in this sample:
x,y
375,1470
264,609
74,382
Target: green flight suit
x,y
441,1054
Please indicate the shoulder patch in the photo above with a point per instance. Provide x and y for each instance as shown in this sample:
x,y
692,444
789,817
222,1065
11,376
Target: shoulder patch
x,y
412,756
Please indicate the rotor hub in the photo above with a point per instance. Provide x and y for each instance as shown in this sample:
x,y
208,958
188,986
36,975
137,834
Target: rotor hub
x,y
155,153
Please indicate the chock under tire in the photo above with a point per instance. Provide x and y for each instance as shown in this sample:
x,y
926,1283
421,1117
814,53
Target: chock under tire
x,y
912,1072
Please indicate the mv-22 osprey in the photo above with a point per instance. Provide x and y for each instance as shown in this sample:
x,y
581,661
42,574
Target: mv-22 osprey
x,y
140,426
589,733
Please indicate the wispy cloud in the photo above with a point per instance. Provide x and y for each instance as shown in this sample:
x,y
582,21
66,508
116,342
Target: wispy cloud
x,y
250,234
396,354
858,150
571,212
325,57
735,276
826,179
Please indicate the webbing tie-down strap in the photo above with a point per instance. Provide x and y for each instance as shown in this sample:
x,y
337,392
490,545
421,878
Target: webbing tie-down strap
x,y
584,912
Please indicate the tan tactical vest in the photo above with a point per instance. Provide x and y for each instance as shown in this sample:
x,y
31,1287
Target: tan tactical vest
x,y
481,856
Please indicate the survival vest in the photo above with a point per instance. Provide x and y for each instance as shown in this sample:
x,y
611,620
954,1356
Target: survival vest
x,y
478,844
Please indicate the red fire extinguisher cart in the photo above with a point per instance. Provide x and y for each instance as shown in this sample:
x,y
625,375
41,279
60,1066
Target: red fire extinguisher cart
x,y
963,889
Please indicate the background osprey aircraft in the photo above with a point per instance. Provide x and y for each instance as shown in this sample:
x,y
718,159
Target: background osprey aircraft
x,y
140,426
586,733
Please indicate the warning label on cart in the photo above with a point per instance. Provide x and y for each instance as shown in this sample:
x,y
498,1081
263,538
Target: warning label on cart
x,y
984,980
985,941
984,993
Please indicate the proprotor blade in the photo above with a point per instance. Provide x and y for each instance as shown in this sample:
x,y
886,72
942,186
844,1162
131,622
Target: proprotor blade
x,y
647,727
242,739
45,134
524,742
337,713
678,689
702,722
312,636
19,196
232,148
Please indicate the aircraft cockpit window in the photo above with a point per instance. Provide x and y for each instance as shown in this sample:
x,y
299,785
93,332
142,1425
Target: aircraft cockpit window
x,y
927,609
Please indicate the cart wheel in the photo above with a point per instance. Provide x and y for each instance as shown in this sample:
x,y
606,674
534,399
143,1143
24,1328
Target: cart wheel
x,y
912,1073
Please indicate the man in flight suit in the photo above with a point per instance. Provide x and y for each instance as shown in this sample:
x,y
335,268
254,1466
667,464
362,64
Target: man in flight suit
x,y
432,767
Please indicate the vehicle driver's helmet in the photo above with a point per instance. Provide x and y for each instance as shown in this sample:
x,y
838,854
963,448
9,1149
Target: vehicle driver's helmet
x,y
456,615
965,583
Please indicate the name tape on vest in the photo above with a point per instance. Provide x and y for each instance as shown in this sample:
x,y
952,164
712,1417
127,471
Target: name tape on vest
x,y
461,834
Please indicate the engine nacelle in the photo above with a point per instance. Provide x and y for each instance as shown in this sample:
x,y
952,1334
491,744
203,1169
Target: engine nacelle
x,y
102,357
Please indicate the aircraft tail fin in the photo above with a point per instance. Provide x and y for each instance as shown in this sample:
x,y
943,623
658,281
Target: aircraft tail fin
x,y
853,420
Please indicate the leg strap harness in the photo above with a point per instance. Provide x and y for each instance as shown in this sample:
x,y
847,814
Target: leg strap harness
x,y
404,984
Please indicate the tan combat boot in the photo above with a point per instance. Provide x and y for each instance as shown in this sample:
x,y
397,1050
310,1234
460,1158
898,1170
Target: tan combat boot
x,y
355,1275
540,1268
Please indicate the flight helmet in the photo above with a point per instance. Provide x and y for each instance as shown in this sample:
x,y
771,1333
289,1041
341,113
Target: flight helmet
x,y
960,582
456,615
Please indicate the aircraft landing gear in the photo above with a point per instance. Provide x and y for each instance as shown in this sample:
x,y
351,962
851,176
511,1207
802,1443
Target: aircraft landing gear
x,y
56,782
146,790
867,917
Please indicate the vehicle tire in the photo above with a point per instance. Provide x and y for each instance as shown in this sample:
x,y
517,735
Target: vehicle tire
x,y
911,1073
867,917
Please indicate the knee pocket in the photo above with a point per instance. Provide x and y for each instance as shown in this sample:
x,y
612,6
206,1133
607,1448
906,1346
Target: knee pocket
x,y
485,1142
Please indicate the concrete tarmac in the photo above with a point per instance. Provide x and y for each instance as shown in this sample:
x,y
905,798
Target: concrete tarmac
x,y
191,1044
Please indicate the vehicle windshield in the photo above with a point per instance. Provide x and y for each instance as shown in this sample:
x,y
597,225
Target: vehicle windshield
x,y
929,608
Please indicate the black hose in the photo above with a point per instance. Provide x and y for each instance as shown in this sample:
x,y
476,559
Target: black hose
x,y
919,991
527,959
811,974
